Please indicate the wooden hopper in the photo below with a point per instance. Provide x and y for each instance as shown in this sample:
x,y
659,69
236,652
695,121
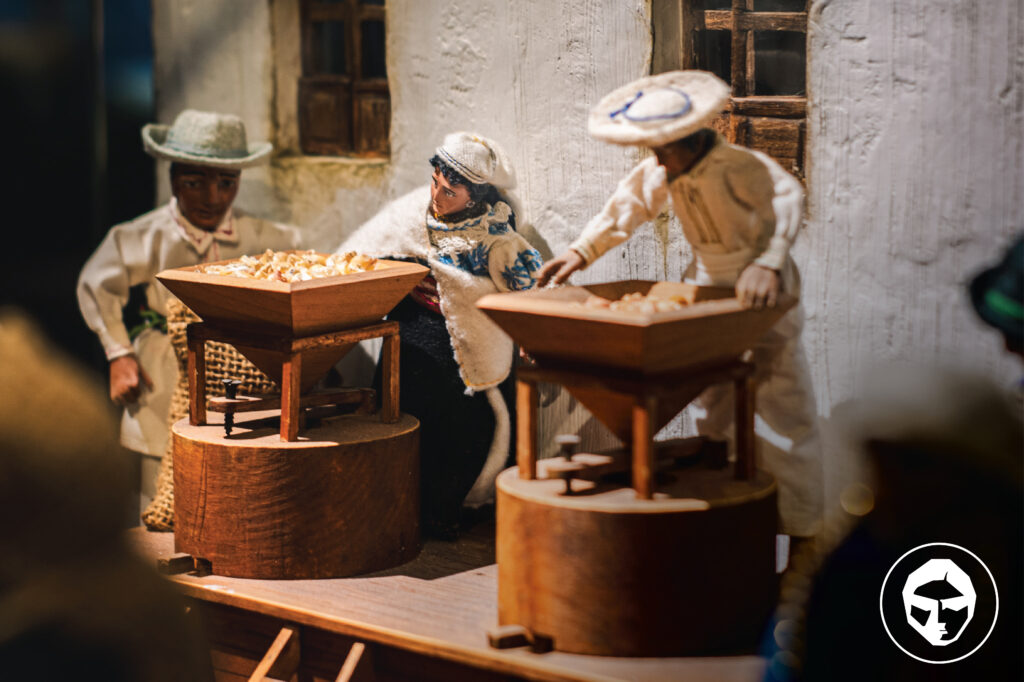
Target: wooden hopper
x,y
269,309
556,330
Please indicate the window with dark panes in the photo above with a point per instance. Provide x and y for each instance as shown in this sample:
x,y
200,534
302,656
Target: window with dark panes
x,y
760,48
344,102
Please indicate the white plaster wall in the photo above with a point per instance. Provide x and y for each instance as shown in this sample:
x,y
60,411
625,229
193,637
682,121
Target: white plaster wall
x,y
917,152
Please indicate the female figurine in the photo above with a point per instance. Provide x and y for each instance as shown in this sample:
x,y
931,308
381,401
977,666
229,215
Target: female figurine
x,y
455,363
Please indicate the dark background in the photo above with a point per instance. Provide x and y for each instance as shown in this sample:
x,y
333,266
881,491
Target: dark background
x,y
77,86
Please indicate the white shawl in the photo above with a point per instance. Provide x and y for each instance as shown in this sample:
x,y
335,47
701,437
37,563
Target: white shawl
x,y
484,352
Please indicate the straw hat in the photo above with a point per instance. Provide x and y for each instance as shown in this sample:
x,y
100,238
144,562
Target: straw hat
x,y
659,109
206,139
478,159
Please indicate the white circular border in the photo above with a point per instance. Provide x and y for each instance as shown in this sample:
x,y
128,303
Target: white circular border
x,y
881,596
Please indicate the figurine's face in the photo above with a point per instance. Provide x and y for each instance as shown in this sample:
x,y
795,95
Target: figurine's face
x,y
446,198
204,194
675,157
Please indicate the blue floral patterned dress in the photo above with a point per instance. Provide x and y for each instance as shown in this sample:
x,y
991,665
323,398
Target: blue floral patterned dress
x,y
487,245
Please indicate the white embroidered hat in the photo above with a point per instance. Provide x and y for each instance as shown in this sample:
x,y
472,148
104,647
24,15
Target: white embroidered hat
x,y
478,159
206,139
659,109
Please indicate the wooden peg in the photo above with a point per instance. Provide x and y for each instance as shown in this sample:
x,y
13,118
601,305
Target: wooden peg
x,y
281,661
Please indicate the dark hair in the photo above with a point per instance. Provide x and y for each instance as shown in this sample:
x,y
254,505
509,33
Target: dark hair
x,y
177,166
479,192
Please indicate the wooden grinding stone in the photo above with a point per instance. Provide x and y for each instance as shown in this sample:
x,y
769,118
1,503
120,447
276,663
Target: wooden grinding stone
x,y
601,572
341,500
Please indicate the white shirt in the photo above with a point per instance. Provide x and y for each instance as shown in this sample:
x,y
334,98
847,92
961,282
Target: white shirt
x,y
737,206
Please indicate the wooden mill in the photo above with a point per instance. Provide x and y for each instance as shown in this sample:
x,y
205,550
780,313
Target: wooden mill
x,y
307,484
657,548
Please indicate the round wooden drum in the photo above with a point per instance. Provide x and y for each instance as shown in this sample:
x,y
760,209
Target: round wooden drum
x,y
341,500
601,572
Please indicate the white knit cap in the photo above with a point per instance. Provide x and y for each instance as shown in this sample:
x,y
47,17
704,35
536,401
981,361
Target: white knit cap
x,y
659,109
478,159
205,139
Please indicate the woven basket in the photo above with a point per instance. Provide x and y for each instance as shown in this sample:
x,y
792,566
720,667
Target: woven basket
x,y
222,362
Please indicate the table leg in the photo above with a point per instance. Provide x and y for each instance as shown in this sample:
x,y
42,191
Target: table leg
x,y
389,411
526,429
196,378
746,456
644,411
291,373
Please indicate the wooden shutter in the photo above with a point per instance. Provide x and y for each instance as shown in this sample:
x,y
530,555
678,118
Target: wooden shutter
x,y
772,123
344,101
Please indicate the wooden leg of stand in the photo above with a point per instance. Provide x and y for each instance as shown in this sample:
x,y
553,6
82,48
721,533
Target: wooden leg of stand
x,y
389,410
526,429
746,459
196,380
281,661
643,446
291,373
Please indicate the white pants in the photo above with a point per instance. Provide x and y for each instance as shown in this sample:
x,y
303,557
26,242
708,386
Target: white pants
x,y
788,445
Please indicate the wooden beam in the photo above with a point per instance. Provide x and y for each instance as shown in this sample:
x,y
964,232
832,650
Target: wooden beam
x,y
643,446
291,376
281,661
526,428
390,409
725,20
738,57
358,665
196,371
783,107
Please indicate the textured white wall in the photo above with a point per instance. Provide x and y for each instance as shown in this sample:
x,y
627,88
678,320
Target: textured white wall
x,y
917,152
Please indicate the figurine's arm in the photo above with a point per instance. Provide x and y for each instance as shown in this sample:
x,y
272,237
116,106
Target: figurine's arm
x,y
759,283
121,261
788,208
638,199
513,263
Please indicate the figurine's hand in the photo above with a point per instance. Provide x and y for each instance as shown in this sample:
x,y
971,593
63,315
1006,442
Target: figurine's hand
x,y
126,379
758,287
558,270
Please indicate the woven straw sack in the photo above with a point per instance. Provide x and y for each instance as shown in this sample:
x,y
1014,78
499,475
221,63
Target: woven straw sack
x,y
222,362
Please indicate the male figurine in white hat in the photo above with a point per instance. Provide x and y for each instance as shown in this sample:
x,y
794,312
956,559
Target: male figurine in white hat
x,y
207,152
740,211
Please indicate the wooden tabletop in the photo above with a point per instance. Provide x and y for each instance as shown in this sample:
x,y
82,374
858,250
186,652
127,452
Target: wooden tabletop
x,y
441,604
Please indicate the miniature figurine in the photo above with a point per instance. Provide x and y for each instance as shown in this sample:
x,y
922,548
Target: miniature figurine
x,y
455,363
207,152
740,211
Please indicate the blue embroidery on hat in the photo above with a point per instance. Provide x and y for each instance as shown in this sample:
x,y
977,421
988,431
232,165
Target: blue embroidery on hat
x,y
624,110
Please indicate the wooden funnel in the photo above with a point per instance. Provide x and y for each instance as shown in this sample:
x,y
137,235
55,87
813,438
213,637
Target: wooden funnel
x,y
555,328
269,309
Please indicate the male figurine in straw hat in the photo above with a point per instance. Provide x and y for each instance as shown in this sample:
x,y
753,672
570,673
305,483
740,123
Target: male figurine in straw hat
x,y
207,152
740,211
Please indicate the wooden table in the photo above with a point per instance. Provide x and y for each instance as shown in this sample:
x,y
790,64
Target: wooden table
x,y
425,620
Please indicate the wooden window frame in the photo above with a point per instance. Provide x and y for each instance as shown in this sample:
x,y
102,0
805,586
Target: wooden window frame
x,y
361,107
776,125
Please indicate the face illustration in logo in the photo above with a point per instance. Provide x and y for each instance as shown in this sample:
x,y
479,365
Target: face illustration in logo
x,y
939,599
